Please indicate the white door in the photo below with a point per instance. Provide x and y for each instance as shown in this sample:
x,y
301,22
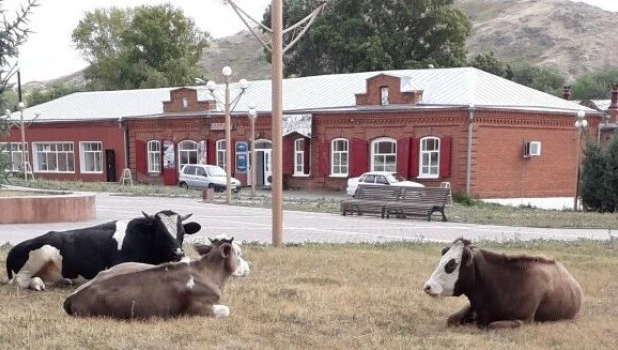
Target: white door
x,y
267,167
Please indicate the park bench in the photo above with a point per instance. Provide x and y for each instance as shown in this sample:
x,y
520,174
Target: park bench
x,y
370,199
418,201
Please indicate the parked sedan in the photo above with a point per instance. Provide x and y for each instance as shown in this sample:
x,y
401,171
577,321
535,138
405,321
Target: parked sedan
x,y
206,176
379,178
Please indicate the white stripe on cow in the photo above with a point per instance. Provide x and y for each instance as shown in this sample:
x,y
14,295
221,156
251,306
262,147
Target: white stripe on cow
x,y
170,223
37,259
121,232
191,283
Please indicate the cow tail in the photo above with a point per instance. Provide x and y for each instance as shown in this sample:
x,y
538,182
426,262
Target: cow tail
x,y
9,272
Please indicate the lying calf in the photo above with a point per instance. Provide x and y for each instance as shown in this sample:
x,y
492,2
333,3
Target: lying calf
x,y
136,290
504,291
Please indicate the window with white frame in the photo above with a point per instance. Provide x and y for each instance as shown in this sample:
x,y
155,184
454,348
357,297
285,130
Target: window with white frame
x,y
154,156
221,153
429,158
91,157
299,157
384,154
384,95
53,157
11,153
339,157
187,153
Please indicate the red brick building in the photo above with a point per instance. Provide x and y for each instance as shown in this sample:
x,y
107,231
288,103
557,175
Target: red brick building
x,y
485,135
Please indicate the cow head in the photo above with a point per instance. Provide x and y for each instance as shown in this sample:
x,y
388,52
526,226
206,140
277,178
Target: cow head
x,y
242,269
442,281
169,232
224,248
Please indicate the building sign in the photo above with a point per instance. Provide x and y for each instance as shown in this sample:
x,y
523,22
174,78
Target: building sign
x,y
169,161
241,156
217,126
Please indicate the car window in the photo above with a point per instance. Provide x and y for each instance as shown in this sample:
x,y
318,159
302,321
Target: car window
x,y
381,179
189,170
200,171
395,177
216,171
369,179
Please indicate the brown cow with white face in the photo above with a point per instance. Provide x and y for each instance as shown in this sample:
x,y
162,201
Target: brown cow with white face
x,y
504,291
135,290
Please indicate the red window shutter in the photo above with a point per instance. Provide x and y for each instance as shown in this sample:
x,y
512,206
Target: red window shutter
x,y
445,156
287,155
307,159
403,157
413,166
324,156
141,165
358,157
211,152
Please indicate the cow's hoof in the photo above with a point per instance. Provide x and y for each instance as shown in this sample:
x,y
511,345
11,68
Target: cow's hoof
x,y
65,282
220,311
37,283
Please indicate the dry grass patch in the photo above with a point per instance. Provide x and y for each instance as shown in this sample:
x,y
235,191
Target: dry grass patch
x,y
329,297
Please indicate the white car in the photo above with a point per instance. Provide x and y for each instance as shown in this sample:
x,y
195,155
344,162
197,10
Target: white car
x,y
379,178
206,176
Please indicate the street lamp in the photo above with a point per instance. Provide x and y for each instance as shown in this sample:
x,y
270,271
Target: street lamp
x,y
252,116
211,86
580,125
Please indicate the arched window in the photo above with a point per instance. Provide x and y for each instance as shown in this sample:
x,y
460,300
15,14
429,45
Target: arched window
x,y
384,154
154,156
187,153
429,158
221,153
339,161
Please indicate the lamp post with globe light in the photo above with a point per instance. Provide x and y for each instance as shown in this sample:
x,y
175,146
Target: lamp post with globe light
x,y
580,125
228,108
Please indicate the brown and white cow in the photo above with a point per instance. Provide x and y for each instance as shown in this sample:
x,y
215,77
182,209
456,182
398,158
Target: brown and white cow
x,y
504,291
138,291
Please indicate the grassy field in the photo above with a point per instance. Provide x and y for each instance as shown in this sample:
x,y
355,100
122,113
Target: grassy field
x,y
330,297
477,213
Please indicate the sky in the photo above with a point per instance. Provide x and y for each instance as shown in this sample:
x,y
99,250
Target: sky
x,y
49,51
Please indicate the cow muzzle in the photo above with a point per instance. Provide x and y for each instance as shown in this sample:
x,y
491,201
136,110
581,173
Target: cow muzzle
x,y
179,254
434,290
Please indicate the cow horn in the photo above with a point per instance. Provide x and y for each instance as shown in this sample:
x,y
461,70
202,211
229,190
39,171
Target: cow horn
x,y
146,215
211,240
185,217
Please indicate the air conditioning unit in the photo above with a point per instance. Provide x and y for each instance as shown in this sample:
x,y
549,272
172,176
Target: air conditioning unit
x,y
532,149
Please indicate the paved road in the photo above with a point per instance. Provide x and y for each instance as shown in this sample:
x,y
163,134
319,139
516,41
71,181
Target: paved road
x,y
254,224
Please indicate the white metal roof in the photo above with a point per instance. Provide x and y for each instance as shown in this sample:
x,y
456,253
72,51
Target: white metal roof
x,y
441,87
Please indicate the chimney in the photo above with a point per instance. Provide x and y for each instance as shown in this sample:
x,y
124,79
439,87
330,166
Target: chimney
x,y
613,105
566,92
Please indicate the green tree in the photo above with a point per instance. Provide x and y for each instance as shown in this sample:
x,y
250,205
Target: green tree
x,y
143,47
593,187
13,33
491,64
39,95
366,35
548,79
595,85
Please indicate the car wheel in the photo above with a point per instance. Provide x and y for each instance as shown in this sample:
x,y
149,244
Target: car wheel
x,y
213,187
236,190
184,185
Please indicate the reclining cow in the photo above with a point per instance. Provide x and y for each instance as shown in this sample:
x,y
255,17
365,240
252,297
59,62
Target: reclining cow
x,y
504,291
67,256
139,291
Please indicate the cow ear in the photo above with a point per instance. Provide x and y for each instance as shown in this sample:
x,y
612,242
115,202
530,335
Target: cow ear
x,y
192,227
226,250
202,249
468,256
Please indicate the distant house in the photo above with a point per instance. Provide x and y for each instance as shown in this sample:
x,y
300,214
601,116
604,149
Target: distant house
x,y
486,135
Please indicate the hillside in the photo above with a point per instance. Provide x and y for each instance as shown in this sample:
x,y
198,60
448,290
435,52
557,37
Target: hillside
x,y
575,37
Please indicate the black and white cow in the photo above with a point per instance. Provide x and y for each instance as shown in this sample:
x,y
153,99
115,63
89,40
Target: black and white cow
x,y
66,256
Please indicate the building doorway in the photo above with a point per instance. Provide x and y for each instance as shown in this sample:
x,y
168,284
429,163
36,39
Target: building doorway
x,y
263,167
